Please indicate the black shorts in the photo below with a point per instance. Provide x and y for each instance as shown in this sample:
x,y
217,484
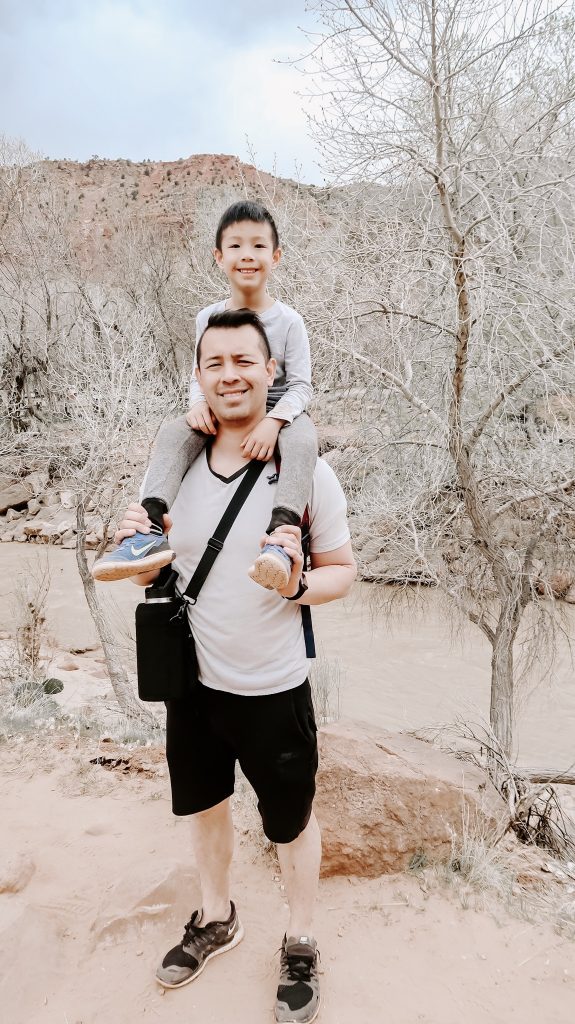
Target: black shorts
x,y
274,739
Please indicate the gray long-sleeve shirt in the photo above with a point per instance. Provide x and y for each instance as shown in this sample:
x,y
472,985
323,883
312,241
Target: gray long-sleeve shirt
x,y
291,391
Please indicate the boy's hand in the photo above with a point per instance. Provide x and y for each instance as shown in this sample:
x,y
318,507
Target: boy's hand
x,y
261,441
200,417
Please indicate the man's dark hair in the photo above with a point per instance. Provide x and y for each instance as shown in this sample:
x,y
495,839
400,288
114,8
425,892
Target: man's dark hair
x,y
246,211
236,318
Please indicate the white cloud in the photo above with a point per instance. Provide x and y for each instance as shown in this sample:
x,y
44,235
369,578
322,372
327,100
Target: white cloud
x,y
140,79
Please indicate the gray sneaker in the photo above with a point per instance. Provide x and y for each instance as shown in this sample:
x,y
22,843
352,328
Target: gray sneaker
x,y
186,960
297,1000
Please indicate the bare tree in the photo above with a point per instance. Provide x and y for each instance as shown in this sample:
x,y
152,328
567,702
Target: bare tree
x,y
115,401
463,316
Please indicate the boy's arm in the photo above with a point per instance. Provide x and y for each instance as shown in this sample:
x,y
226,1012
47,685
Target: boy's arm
x,y
297,373
195,393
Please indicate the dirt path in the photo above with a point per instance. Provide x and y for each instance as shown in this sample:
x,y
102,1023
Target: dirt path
x,y
113,886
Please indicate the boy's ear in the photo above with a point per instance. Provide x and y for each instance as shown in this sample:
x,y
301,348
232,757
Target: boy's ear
x,y
218,256
276,257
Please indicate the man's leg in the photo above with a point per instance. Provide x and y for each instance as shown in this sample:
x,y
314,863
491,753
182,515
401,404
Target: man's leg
x,y
216,927
213,845
300,861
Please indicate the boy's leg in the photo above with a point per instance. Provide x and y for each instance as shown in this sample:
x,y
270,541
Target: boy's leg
x,y
298,450
176,447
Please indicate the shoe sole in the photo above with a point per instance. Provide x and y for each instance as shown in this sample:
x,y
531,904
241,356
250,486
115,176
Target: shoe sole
x,y
269,572
123,570
294,1020
223,949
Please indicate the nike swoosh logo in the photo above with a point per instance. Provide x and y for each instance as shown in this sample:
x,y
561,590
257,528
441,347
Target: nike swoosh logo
x,y
142,551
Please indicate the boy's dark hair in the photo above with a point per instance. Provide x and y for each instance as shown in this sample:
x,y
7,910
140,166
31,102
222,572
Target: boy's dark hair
x,y
236,318
246,211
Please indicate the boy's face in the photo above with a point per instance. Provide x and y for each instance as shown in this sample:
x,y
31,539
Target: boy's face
x,y
247,256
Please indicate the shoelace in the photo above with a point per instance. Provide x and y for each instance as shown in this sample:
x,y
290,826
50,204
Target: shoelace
x,y
196,932
299,968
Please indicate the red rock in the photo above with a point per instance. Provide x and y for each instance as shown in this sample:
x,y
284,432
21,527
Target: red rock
x,y
385,799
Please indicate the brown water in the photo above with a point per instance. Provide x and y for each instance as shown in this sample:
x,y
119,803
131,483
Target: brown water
x,y
400,673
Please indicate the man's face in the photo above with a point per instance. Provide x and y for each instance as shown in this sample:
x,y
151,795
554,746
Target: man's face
x,y
247,256
234,373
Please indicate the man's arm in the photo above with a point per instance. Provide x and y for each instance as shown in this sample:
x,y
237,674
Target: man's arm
x,y
331,575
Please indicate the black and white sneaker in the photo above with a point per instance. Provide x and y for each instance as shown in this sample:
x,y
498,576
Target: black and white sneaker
x,y
187,960
297,1000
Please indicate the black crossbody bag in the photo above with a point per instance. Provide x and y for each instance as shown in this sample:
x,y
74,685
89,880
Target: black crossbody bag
x,y
165,650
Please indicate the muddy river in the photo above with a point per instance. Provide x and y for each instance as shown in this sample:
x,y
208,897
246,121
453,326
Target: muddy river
x,y
401,672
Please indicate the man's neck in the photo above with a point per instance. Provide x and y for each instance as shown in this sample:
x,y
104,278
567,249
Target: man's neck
x,y
259,300
226,452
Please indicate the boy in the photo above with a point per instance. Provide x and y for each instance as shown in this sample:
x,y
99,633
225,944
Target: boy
x,y
247,249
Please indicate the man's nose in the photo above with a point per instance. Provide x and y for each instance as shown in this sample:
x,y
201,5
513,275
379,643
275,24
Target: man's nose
x,y
229,371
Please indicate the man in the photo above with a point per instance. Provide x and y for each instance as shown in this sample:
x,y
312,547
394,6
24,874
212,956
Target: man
x,y
253,703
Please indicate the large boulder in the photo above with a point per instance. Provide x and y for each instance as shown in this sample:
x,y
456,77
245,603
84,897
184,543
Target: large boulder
x,y
14,494
386,801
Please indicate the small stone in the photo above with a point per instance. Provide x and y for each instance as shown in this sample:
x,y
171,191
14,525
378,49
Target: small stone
x,y
67,663
67,499
16,872
33,529
12,514
34,506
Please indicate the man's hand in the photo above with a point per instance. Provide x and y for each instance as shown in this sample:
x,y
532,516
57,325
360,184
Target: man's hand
x,y
288,538
136,521
261,441
200,417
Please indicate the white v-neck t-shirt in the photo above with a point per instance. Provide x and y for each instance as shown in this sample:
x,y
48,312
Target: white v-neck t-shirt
x,y
248,640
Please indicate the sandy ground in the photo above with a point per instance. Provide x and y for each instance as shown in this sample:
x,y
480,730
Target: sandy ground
x,y
113,885
107,881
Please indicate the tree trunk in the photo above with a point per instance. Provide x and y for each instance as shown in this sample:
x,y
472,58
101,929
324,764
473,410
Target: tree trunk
x,y
501,707
123,691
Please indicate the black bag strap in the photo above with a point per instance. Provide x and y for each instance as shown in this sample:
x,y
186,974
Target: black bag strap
x,y
305,546
216,543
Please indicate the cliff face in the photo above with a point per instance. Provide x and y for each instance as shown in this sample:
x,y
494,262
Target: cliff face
x,y
96,195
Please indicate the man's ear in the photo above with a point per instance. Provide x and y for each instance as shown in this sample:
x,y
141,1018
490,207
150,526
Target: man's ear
x,y
271,370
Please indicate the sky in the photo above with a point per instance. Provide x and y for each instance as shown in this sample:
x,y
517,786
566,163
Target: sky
x,y
159,79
